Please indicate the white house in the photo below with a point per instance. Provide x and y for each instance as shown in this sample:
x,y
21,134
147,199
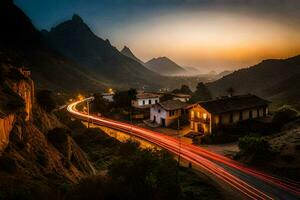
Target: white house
x,y
108,96
145,100
181,97
167,112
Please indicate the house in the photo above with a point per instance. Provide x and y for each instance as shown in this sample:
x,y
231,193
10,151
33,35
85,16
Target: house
x,y
207,116
167,112
145,100
181,97
109,96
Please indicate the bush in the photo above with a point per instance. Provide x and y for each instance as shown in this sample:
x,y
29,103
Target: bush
x,y
255,148
8,164
284,115
58,135
46,100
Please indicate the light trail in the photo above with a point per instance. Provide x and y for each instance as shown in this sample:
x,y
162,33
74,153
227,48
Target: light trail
x,y
198,156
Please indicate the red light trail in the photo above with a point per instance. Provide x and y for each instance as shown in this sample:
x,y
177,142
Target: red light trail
x,y
235,174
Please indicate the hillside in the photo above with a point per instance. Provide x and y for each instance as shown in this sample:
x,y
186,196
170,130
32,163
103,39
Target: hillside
x,y
164,66
127,52
22,44
275,79
75,40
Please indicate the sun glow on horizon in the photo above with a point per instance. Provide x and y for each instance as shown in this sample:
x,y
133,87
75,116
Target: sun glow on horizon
x,y
211,39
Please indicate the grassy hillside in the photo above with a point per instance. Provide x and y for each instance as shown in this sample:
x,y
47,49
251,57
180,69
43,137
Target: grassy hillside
x,y
275,80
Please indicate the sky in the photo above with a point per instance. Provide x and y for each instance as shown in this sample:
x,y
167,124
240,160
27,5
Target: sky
x,y
205,34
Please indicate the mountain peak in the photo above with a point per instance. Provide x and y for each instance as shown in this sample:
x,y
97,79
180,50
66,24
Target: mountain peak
x,y
127,52
165,66
77,18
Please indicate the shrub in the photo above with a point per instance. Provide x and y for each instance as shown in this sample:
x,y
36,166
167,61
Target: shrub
x,y
58,136
46,100
284,115
8,164
256,148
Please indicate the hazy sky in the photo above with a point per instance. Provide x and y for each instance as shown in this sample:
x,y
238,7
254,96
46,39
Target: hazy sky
x,y
207,34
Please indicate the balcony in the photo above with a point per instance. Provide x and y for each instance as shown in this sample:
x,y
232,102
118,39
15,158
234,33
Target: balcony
x,y
200,120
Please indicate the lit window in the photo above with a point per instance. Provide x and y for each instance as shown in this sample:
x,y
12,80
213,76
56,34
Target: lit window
x,y
192,114
204,115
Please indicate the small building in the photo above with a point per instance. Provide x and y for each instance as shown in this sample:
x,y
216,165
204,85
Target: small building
x,y
207,116
167,112
145,100
181,97
109,96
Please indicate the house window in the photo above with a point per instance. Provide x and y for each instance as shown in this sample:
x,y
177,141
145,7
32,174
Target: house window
x,y
156,101
143,102
192,114
204,116
150,102
241,116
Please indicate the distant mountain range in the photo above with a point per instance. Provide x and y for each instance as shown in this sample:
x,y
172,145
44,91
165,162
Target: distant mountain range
x,y
165,66
276,79
75,40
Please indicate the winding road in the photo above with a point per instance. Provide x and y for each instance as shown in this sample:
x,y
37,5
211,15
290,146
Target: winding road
x,y
251,183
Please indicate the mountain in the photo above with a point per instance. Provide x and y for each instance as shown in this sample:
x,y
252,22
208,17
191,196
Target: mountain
x,y
75,40
22,44
127,52
164,66
274,79
192,70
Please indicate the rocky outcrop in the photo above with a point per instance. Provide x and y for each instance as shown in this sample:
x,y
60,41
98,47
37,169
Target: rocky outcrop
x,y
37,156
25,88
6,125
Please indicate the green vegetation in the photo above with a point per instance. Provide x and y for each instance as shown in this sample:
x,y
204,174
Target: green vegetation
x,y
100,105
135,173
284,115
254,148
183,90
201,94
124,98
46,100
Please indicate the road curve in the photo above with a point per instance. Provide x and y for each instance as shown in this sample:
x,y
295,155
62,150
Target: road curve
x,y
250,182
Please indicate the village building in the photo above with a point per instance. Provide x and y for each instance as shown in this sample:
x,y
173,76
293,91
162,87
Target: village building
x,y
109,96
208,116
181,97
167,112
145,100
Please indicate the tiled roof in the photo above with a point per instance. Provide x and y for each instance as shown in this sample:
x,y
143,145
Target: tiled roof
x,y
146,96
234,103
172,104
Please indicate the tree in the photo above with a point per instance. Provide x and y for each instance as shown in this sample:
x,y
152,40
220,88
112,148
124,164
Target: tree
x,y
166,97
201,94
124,98
230,91
256,148
284,115
46,100
99,104
183,90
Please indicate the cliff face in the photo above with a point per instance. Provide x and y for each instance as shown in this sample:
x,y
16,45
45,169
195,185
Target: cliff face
x,y
6,125
34,139
25,88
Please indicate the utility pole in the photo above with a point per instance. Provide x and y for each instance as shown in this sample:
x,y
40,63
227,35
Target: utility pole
x,y
88,111
179,140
